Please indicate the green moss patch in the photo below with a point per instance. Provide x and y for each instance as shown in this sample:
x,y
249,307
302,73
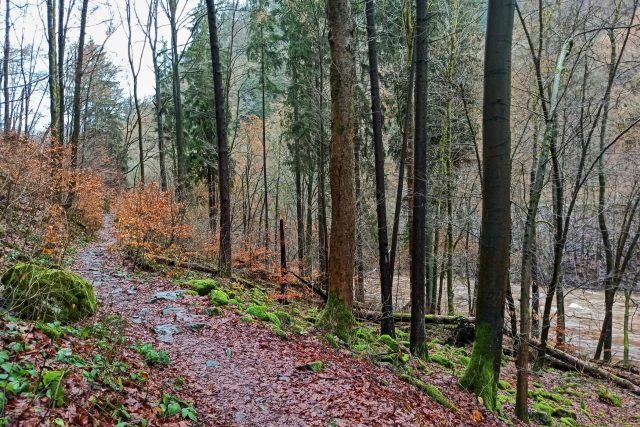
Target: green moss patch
x,y
608,397
540,393
203,286
219,297
431,390
566,421
34,292
441,359
389,342
261,312
504,385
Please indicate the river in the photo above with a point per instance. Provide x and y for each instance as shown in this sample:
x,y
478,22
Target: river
x,y
584,309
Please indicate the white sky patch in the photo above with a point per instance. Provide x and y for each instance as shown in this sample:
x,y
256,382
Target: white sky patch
x,y
28,20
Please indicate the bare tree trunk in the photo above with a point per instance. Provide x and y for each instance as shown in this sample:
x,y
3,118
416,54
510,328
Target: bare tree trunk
x,y
308,266
264,146
417,333
60,75
483,371
181,168
360,291
223,153
5,65
213,204
408,120
323,242
386,287
159,108
136,101
337,315
54,93
77,86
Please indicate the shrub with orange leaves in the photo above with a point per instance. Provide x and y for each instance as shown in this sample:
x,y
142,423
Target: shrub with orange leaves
x,y
37,212
149,223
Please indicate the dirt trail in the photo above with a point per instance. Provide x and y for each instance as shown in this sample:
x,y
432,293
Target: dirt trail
x,y
242,374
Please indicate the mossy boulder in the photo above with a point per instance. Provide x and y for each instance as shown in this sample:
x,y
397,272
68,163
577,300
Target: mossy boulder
x,y
35,292
203,286
219,297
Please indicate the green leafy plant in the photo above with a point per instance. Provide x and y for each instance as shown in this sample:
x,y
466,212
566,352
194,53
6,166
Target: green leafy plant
x,y
151,355
51,383
171,405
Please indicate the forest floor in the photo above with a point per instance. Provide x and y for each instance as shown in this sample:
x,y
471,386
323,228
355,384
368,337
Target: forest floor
x,y
228,368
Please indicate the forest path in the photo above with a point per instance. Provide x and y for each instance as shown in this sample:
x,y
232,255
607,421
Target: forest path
x,y
242,374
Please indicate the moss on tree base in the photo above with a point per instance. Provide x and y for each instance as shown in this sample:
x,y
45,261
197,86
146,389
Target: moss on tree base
x,y
337,318
481,376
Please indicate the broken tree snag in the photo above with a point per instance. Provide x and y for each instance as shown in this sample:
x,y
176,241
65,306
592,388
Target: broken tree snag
x,y
406,317
311,285
283,262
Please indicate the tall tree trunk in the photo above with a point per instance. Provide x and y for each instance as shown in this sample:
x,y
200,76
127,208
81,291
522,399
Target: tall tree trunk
x,y
386,293
625,328
433,248
417,246
159,108
337,315
77,86
483,371
62,29
136,101
408,121
54,93
221,135
297,170
264,146
181,168
212,203
360,291
5,65
607,325
323,241
308,266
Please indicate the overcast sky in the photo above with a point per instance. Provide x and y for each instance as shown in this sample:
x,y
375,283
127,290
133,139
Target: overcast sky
x,y
29,24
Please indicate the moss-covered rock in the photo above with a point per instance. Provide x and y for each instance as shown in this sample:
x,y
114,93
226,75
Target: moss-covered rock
x,y
219,297
203,286
35,292
544,407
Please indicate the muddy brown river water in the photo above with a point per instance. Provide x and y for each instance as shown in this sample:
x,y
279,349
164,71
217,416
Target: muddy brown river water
x,y
584,314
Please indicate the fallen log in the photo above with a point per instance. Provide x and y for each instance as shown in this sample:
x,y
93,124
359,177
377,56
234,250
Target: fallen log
x,y
580,365
406,317
189,265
